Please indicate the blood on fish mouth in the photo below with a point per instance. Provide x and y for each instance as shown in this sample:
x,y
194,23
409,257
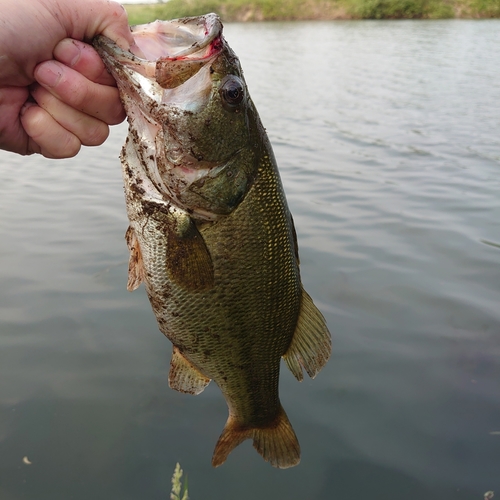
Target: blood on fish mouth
x,y
177,40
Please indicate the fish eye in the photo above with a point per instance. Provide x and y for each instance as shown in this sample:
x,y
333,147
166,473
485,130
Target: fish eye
x,y
232,92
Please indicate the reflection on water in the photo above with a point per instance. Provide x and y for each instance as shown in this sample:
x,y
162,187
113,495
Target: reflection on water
x,y
387,136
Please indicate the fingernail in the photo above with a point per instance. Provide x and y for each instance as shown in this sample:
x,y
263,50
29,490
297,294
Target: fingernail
x,y
123,43
49,73
26,105
68,51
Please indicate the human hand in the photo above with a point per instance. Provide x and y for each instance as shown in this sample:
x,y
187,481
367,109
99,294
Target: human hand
x,y
55,93
75,102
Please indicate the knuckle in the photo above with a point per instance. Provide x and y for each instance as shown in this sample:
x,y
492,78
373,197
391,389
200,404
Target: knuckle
x,y
65,146
82,95
118,12
42,96
75,91
52,140
95,134
111,112
118,116
34,121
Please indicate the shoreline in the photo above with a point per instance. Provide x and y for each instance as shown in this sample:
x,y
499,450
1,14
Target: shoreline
x,y
315,10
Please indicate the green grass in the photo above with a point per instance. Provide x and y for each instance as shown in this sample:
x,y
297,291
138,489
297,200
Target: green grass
x,y
179,490
400,9
288,10
238,10
484,8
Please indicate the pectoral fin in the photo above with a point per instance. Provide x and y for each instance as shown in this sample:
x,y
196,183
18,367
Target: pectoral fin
x,y
189,261
184,376
311,343
135,263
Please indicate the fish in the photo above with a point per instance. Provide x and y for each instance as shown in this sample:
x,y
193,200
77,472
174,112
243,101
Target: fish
x,y
211,236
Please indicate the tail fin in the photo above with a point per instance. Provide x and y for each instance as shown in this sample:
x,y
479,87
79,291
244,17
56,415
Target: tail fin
x,y
277,442
232,435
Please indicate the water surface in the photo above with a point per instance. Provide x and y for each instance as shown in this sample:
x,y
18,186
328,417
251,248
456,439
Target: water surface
x,y
388,139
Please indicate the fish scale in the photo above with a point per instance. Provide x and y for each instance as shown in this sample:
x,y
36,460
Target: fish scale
x,y
211,236
207,320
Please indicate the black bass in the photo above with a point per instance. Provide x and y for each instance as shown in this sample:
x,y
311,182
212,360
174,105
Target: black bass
x,y
210,235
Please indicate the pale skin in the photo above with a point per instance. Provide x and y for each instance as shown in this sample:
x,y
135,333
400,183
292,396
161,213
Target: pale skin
x,y
55,93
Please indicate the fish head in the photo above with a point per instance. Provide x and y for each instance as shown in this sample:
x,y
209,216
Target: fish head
x,y
189,112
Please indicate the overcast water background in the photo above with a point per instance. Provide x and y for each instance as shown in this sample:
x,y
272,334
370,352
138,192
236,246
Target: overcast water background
x,y
388,139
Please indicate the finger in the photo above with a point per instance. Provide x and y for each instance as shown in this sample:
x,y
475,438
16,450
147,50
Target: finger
x,y
48,137
90,131
71,87
83,58
12,134
113,23
96,17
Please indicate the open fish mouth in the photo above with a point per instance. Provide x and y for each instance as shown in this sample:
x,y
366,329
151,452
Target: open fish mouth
x,y
166,81
169,52
166,56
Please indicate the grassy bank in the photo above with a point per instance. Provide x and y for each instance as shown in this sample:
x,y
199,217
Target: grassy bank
x,y
288,10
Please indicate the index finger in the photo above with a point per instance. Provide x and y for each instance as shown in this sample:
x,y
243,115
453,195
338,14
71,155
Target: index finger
x,y
74,89
83,58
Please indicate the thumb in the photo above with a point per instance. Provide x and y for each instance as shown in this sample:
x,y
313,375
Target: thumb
x,y
85,20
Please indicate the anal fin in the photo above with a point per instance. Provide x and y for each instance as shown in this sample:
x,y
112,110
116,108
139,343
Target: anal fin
x,y
135,263
184,376
311,344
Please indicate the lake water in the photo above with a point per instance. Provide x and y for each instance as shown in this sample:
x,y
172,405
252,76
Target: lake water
x,y
388,139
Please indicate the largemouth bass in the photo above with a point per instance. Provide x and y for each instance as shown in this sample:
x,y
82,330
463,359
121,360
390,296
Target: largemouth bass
x,y
210,235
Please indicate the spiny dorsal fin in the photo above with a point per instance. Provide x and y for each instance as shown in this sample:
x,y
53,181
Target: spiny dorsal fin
x,y
276,442
311,343
184,376
135,263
